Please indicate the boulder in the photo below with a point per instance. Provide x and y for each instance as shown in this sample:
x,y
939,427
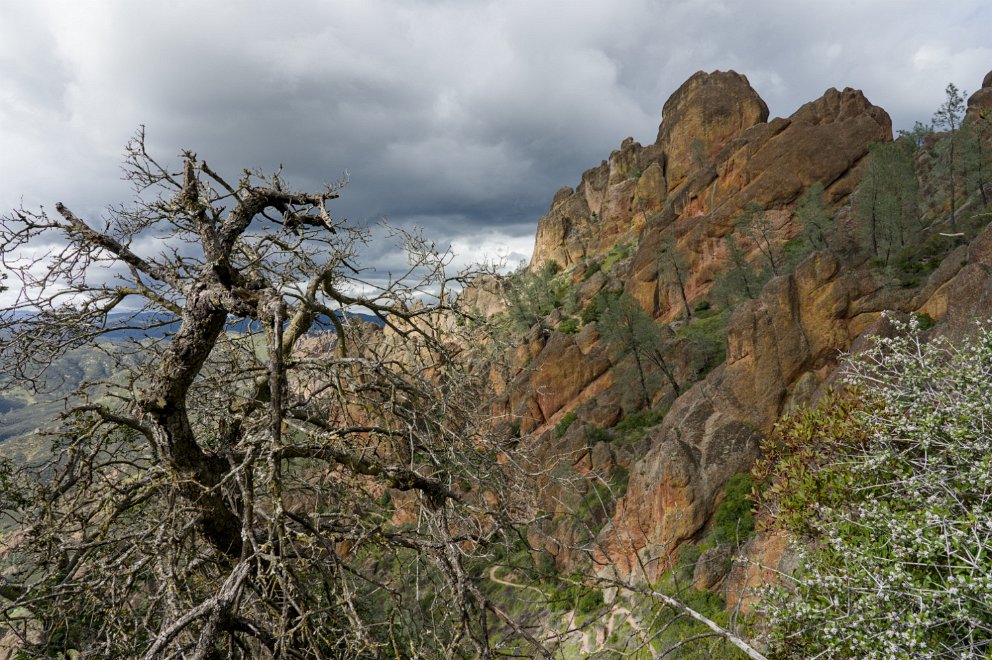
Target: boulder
x,y
706,112
980,103
766,558
712,567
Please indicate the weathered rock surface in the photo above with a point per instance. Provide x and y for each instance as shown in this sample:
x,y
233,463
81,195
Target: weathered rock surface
x,y
716,152
711,567
559,369
768,557
615,199
980,103
484,297
956,294
780,348
703,115
769,164
673,489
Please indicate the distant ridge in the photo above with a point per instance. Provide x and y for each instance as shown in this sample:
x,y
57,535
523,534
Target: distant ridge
x,y
126,326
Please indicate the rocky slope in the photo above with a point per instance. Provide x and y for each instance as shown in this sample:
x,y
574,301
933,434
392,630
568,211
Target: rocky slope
x,y
716,153
669,192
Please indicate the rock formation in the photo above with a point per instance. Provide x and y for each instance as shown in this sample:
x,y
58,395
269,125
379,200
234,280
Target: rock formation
x,y
980,103
613,201
693,188
715,154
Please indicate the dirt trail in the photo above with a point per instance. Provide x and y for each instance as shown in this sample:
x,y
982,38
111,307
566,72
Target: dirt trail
x,y
589,637
506,583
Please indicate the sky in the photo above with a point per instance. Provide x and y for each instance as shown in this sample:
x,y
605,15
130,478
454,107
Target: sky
x,y
462,117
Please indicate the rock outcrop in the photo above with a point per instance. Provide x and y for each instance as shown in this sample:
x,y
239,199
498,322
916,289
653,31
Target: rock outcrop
x,y
955,295
781,347
613,201
980,103
716,154
704,114
770,164
673,488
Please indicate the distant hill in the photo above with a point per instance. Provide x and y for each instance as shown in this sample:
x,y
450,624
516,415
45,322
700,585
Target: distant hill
x,y
23,413
151,325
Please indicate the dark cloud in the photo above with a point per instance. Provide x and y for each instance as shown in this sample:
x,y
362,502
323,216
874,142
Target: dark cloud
x,y
463,116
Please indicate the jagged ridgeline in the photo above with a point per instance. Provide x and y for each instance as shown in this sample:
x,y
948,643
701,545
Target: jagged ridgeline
x,y
689,293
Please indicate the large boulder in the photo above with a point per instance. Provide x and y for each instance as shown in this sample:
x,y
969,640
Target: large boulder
x,y
705,113
980,103
673,489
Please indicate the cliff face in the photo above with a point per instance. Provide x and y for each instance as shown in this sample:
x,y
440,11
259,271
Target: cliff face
x,y
613,201
716,153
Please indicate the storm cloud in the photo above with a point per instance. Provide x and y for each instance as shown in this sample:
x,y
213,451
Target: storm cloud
x,y
463,117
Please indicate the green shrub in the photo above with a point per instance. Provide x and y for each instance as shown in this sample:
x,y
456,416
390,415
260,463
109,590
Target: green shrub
x,y
707,337
925,321
569,592
569,326
590,313
733,521
621,477
897,510
565,422
591,270
572,593
634,426
550,268
643,419
532,296
915,262
590,601
546,566
689,554
619,252
597,505
596,434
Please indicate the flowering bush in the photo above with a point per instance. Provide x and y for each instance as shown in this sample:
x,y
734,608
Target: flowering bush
x,y
899,537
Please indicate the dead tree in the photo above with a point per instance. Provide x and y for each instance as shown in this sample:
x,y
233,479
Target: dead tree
x,y
278,478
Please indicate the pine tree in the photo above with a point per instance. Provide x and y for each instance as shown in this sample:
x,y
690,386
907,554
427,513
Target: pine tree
x,y
742,281
674,271
815,221
886,203
948,117
630,334
755,224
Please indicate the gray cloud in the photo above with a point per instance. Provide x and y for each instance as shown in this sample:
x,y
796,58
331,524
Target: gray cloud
x,y
463,116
